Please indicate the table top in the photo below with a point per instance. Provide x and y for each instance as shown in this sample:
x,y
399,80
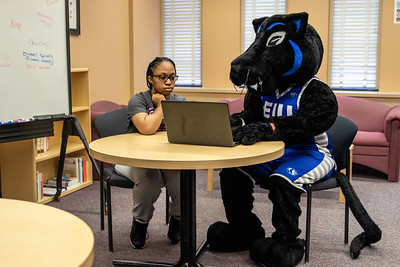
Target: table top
x,y
33,234
154,151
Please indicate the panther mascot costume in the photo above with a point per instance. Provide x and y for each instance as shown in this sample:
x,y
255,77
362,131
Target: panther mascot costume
x,y
284,101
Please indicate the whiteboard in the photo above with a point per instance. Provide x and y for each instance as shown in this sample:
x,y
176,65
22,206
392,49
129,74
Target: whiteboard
x,y
34,59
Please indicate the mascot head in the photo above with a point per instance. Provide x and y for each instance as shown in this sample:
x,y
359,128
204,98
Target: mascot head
x,y
286,51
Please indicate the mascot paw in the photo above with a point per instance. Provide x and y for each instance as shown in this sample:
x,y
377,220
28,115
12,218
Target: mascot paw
x,y
252,133
235,121
223,238
269,252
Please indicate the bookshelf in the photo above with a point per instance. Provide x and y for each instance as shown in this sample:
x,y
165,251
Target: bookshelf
x,y
19,160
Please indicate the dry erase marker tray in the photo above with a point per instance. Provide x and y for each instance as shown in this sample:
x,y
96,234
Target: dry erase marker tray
x,y
16,131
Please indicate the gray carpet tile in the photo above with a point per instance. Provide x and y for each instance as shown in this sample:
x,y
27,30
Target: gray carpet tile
x,y
380,198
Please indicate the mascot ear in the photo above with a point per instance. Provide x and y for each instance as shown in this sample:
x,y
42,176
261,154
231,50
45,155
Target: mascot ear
x,y
300,22
257,24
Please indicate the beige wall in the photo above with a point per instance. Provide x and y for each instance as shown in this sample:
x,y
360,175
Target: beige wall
x,y
389,52
119,38
220,40
146,40
103,47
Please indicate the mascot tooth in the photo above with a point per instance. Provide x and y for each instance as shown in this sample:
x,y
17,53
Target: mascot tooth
x,y
284,101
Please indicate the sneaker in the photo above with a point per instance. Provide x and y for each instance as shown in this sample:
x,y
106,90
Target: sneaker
x,y
174,230
138,234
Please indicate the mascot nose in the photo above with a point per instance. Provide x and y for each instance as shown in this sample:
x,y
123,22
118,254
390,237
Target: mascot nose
x,y
236,67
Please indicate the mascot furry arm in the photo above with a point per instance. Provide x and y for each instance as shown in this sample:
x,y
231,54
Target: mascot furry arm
x,y
281,62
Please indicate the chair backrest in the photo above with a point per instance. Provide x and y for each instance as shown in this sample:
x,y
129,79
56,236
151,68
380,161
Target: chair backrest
x,y
235,106
342,133
104,106
369,115
112,123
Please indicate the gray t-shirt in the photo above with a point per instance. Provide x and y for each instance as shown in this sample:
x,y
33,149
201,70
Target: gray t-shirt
x,y
141,102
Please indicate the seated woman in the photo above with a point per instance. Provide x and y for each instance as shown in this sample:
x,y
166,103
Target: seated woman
x,y
145,116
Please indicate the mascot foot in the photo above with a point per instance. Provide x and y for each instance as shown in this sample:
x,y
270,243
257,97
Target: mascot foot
x,y
271,253
223,237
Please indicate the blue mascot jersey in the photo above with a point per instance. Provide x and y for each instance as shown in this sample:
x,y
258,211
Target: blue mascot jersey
x,y
302,163
282,105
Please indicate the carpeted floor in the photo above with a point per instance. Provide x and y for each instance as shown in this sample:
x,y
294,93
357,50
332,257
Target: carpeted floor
x,y
381,199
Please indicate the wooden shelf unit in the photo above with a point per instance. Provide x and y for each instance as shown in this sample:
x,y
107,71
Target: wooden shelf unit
x,y
19,160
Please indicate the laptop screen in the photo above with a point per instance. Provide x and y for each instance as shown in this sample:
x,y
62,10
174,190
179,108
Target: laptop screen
x,y
197,123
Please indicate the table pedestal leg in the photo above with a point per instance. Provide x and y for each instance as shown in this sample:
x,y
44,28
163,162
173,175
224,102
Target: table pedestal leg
x,y
188,227
188,219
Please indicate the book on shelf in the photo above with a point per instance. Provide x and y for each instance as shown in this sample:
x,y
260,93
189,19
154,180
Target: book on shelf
x,y
49,191
85,167
76,167
67,182
71,170
80,169
42,144
74,173
50,187
39,185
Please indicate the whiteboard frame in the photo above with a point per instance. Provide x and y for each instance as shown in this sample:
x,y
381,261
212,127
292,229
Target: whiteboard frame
x,y
41,126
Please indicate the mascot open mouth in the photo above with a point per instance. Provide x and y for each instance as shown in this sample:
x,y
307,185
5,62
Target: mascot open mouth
x,y
250,80
248,84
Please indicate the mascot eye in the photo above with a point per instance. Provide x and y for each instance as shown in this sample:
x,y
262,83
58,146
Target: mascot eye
x,y
275,38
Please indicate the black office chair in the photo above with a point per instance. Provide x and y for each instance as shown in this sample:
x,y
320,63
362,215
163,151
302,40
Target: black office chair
x,y
108,124
341,134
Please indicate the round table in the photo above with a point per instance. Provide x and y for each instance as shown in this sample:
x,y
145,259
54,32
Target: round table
x,y
154,151
33,234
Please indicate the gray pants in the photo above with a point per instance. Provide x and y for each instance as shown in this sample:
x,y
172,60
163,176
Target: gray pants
x,y
147,189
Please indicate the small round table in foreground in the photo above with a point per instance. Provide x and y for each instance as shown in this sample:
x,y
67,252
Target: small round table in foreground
x,y
33,234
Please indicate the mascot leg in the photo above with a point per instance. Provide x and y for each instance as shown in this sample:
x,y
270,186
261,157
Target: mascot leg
x,y
372,232
283,248
244,226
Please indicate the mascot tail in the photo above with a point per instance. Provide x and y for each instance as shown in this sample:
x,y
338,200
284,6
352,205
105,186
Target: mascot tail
x,y
372,232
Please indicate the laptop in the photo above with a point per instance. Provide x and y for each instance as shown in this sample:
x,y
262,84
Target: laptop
x,y
198,123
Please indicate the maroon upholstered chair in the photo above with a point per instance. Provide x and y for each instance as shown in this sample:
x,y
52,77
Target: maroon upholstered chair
x,y
377,143
98,108
235,106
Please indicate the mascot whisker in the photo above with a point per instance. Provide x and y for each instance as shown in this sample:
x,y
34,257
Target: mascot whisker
x,y
284,101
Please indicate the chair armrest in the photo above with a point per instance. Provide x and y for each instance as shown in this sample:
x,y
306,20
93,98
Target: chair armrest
x,y
393,115
394,151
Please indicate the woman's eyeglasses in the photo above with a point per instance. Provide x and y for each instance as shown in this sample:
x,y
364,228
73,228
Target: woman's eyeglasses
x,y
163,78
